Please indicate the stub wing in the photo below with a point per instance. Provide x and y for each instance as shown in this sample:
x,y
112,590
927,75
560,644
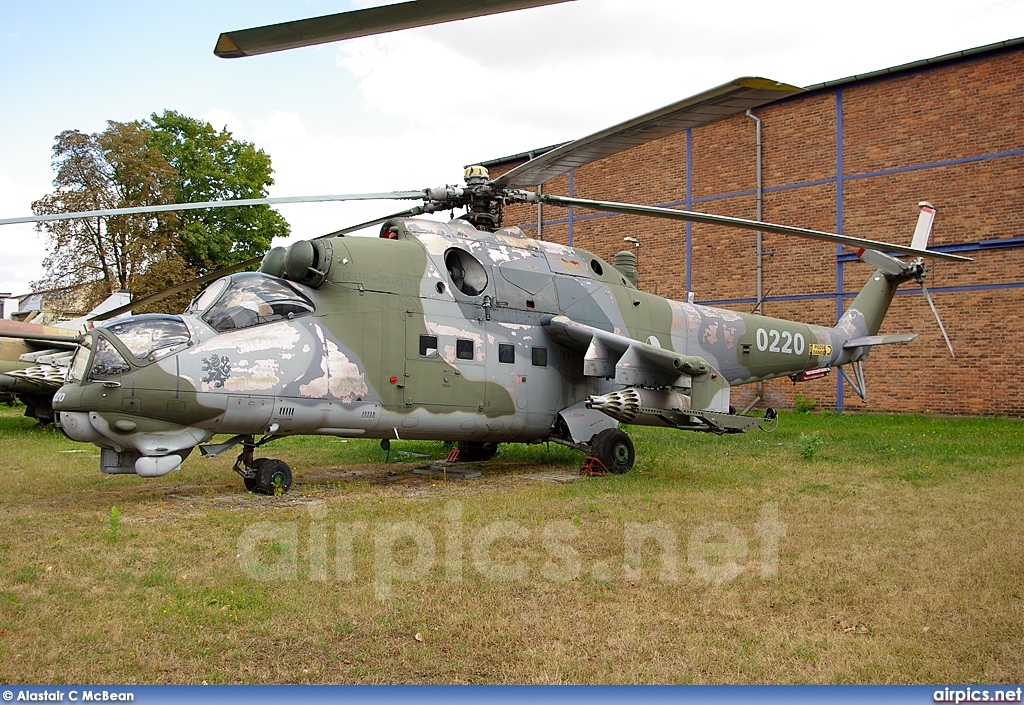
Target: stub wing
x,y
624,359
635,364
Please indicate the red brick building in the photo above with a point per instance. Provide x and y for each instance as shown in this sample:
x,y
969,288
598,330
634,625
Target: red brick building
x,y
852,156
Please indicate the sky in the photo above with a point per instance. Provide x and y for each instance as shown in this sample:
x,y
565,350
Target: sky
x,y
409,109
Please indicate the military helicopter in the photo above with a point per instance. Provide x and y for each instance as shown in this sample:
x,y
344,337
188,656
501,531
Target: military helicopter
x,y
466,331
34,356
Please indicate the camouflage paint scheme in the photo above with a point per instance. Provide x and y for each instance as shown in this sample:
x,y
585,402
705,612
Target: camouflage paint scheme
x,y
18,339
33,358
35,354
357,366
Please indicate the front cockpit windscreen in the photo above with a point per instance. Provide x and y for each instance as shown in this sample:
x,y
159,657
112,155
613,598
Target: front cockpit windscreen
x,y
151,335
107,362
249,299
80,362
148,336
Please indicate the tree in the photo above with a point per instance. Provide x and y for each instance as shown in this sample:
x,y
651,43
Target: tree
x,y
117,168
172,159
211,165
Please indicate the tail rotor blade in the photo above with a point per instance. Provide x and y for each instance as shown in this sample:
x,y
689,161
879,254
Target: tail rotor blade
x,y
923,231
937,319
889,265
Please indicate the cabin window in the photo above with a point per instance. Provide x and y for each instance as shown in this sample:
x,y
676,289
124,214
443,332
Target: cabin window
x,y
540,357
464,349
428,345
506,353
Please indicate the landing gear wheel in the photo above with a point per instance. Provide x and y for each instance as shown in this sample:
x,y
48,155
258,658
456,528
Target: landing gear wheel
x,y
251,482
475,452
613,448
273,477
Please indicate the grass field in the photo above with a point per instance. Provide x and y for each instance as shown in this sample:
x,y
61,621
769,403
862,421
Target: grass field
x,y
839,549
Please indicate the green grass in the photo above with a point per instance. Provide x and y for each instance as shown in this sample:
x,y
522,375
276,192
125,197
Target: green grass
x,y
900,562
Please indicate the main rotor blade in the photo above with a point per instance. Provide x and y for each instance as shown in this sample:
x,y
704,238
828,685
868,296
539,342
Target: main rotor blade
x,y
66,342
178,288
386,196
728,221
360,23
418,210
729,99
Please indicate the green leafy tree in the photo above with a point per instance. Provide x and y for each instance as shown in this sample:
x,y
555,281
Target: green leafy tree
x,y
211,165
172,158
91,257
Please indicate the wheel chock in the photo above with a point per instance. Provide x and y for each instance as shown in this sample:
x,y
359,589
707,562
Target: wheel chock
x,y
592,467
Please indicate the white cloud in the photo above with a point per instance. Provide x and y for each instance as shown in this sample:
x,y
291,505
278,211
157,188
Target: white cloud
x,y
526,79
431,100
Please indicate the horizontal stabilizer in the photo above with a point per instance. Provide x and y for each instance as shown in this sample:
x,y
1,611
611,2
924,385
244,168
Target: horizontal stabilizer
x,y
870,340
888,264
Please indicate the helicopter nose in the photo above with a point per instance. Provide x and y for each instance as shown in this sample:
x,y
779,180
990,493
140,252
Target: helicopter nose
x,y
74,422
68,398
77,426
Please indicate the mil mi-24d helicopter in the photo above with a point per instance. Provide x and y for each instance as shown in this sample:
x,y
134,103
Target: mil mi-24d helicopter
x,y
466,331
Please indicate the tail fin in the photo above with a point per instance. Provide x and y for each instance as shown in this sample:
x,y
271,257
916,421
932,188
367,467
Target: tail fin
x,y
116,300
864,316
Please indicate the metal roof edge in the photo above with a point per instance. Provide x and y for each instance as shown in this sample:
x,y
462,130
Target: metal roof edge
x,y
975,52
518,157
920,63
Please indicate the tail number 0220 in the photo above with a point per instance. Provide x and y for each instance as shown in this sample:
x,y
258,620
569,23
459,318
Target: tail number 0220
x,y
785,342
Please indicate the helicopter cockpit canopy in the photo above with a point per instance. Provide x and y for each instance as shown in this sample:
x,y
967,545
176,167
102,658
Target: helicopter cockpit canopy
x,y
248,299
146,337
150,335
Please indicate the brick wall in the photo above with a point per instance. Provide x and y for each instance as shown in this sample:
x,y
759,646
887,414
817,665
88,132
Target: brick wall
x,y
941,133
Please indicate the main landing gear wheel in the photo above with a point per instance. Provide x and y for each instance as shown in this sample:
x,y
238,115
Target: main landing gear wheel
x,y
613,448
273,477
475,452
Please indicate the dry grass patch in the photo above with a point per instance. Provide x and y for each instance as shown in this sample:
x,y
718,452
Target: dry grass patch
x,y
900,562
